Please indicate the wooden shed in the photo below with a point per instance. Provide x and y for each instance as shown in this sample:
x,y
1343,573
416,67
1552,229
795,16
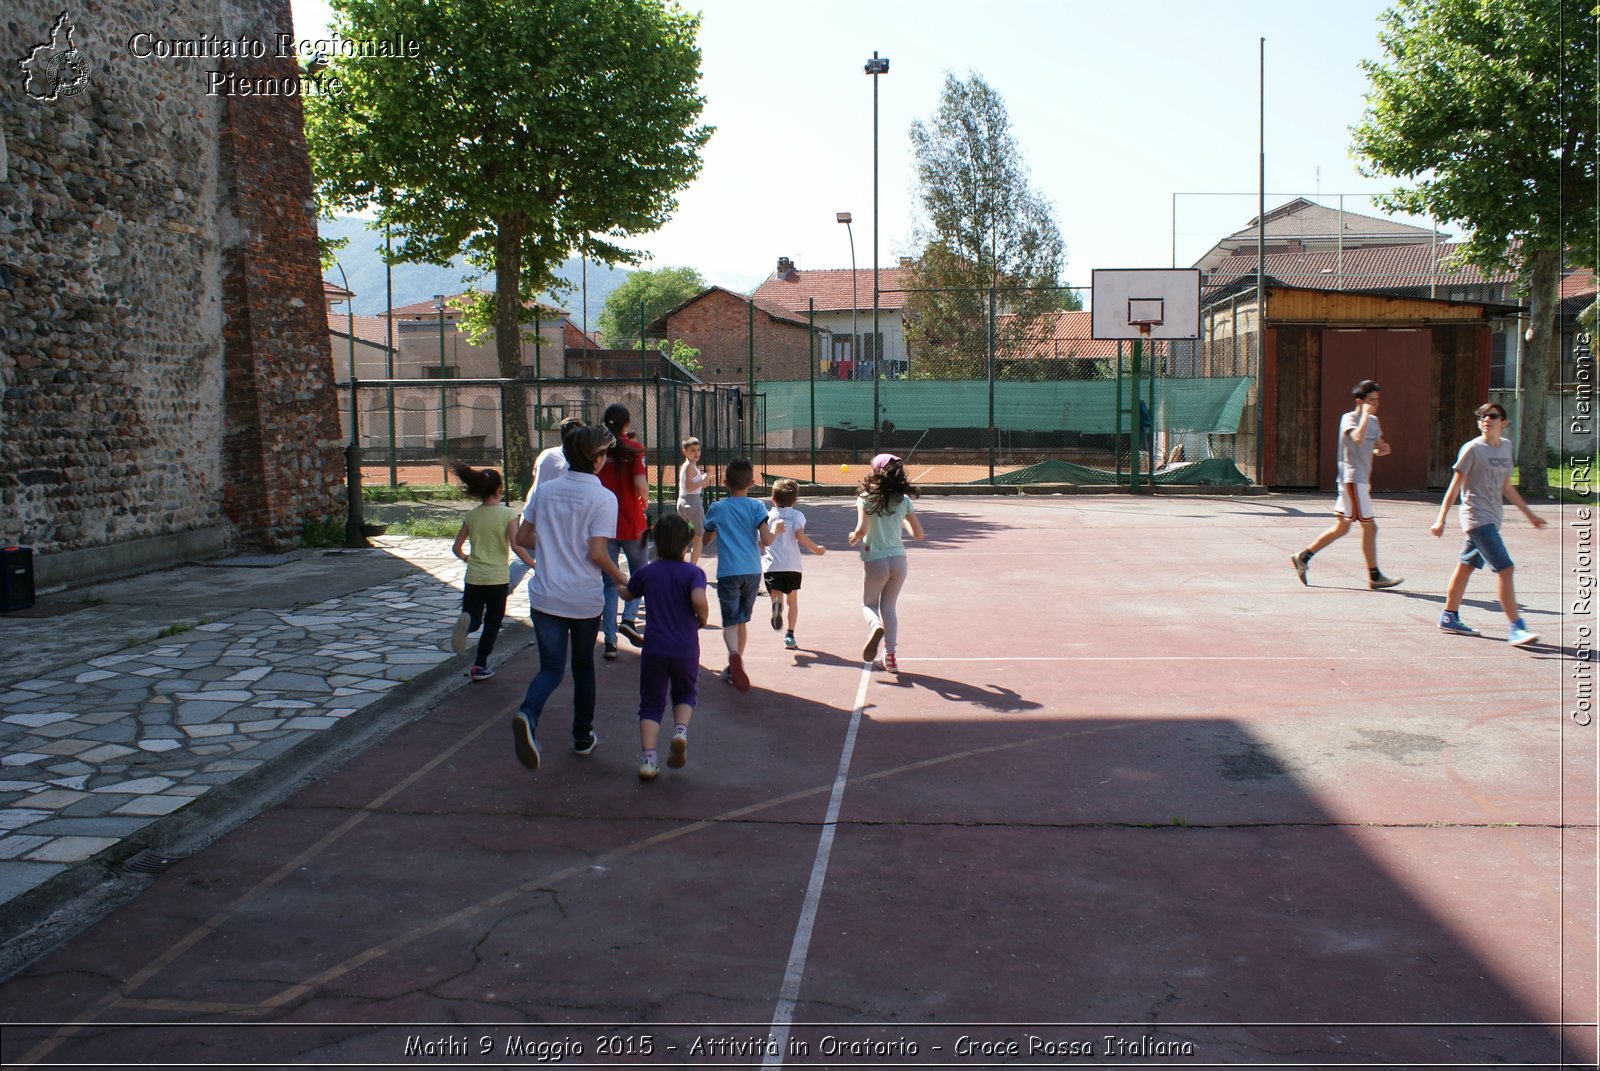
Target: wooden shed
x,y
1431,358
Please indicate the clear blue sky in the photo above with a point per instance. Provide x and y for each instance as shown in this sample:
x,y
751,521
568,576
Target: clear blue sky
x,y
1115,106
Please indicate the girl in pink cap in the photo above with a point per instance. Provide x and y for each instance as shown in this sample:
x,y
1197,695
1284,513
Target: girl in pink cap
x,y
882,508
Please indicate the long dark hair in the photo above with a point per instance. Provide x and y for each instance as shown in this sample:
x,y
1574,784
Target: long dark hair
x,y
480,483
885,487
616,419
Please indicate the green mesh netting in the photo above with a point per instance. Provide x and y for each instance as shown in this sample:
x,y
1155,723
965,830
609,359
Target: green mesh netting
x,y
1216,471
1085,406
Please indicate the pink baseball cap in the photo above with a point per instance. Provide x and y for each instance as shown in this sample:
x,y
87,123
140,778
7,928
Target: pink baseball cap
x,y
883,461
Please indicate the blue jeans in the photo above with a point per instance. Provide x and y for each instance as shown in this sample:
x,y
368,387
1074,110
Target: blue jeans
x,y
633,551
552,634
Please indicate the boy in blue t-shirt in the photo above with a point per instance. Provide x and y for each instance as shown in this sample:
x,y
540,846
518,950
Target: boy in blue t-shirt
x,y
741,522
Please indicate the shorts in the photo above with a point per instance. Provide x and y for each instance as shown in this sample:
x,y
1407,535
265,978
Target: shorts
x,y
736,595
661,675
1363,502
691,510
785,580
1483,546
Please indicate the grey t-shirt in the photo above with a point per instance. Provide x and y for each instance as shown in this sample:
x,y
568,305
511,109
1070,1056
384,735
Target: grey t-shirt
x,y
1483,469
1355,458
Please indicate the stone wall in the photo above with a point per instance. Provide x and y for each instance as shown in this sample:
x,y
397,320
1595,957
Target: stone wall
x,y
163,348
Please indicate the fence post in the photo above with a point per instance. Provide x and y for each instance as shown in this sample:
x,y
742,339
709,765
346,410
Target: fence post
x,y
1133,415
1116,435
644,405
538,374
750,379
394,472
505,470
811,372
993,431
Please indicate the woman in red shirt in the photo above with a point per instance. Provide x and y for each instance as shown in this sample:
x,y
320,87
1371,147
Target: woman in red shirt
x,y
624,475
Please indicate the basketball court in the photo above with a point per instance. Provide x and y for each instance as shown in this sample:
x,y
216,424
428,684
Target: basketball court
x,y
1137,798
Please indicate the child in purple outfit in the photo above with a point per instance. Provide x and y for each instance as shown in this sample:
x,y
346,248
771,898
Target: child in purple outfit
x,y
675,591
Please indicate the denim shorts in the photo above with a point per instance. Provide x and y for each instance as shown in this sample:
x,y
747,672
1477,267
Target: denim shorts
x,y
1483,546
737,597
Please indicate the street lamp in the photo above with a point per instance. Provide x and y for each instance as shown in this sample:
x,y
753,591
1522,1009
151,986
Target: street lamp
x,y
855,339
353,535
875,66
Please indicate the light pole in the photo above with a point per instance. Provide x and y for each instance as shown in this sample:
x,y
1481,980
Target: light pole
x,y
444,414
855,339
353,535
875,66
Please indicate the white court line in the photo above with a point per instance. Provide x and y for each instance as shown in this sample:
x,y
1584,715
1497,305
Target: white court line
x,y
789,992
1189,658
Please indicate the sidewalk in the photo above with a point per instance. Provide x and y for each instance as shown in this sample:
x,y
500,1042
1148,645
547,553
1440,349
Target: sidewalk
x,y
140,713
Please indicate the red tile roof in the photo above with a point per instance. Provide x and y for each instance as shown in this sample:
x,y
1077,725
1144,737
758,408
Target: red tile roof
x,y
1064,333
1363,268
831,289
370,329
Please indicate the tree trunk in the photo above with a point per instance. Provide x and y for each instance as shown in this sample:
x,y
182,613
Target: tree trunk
x,y
1544,283
518,453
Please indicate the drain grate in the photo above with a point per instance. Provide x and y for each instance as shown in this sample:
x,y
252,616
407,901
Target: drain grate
x,y
146,861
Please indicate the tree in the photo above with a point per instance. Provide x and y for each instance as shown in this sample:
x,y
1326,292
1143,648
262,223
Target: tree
x,y
517,133
657,290
985,230
1488,110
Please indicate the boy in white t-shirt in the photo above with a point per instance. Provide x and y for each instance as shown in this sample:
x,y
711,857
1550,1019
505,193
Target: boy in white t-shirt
x,y
781,562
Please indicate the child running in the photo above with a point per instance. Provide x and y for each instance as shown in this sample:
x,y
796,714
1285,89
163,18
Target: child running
x,y
781,562
491,530
1482,478
691,478
883,506
670,660
742,523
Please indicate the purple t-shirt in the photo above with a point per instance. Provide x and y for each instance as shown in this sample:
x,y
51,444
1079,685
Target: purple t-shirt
x,y
671,629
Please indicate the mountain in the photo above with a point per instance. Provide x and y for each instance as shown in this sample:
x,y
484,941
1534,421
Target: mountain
x,y
362,259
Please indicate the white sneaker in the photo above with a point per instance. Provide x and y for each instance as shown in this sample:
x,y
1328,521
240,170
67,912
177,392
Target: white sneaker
x,y
458,635
648,771
678,751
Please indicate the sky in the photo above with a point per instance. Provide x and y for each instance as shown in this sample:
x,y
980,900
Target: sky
x,y
1140,121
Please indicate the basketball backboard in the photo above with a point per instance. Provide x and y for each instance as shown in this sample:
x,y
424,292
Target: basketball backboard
x,y
1145,303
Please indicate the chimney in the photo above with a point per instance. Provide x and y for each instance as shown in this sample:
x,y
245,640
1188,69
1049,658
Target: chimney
x,y
906,262
785,267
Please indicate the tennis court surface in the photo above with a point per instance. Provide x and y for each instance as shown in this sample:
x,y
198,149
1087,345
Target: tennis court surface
x,y
1138,798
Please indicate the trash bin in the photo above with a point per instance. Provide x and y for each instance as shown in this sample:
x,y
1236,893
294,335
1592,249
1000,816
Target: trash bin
x,y
16,578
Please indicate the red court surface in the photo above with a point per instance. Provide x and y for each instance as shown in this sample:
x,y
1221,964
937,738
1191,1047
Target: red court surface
x,y
1138,799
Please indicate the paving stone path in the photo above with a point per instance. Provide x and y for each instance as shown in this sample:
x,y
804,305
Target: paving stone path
x,y
93,752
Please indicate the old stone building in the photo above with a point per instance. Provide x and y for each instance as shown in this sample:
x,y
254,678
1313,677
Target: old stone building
x,y
165,389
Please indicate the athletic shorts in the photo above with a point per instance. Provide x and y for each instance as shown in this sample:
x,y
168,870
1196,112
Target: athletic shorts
x,y
736,595
785,581
691,510
1483,546
1363,504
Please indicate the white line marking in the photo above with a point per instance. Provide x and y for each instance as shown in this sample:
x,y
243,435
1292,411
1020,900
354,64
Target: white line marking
x,y
789,992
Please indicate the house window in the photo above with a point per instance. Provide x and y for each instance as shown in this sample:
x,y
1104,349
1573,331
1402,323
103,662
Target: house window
x,y
1501,375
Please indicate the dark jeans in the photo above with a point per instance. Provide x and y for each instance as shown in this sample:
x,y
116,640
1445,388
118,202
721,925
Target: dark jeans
x,y
485,604
553,634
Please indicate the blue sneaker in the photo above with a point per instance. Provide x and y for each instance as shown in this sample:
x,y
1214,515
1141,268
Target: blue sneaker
x,y
1449,622
522,739
1519,636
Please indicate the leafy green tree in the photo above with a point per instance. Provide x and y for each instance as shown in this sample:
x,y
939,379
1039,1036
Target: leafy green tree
x,y
658,290
985,229
1488,110
519,133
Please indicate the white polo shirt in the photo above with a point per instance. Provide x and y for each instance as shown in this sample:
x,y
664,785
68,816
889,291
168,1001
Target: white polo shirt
x,y
566,514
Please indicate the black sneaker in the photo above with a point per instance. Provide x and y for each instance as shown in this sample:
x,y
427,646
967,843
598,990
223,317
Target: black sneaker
x,y
777,613
522,739
611,652
1301,567
586,744
630,630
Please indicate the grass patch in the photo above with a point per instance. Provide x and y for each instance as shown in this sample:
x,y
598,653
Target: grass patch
x,y
425,527
411,492
1560,476
326,532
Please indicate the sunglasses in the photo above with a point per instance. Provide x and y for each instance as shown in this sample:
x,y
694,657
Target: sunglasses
x,y
1492,416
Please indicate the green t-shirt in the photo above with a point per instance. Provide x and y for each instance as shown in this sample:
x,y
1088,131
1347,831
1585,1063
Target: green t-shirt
x,y
488,549
883,530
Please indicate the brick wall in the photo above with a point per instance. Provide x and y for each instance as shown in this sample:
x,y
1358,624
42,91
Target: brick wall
x,y
163,352
718,325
